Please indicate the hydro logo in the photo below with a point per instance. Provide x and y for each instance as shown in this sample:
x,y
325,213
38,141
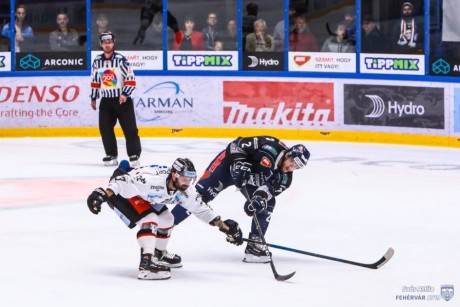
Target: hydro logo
x,y
262,62
391,64
394,107
161,101
202,60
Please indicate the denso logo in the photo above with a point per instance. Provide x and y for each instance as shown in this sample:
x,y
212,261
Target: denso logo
x,y
31,94
394,107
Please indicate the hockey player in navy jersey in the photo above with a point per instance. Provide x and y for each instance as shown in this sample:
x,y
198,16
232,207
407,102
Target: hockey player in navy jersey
x,y
262,166
140,197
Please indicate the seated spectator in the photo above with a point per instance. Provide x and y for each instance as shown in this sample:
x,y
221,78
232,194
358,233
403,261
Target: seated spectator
x,y
278,33
407,34
154,34
101,25
252,9
211,34
372,39
349,20
218,46
23,33
301,39
230,37
64,38
189,39
338,43
259,40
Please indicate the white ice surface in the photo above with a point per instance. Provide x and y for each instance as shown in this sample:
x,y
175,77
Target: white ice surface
x,y
352,201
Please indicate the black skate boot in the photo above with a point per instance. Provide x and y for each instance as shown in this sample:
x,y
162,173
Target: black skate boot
x,y
150,269
110,160
254,252
168,259
134,161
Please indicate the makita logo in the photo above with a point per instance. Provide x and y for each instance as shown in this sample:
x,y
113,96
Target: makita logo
x,y
393,107
302,114
202,60
391,64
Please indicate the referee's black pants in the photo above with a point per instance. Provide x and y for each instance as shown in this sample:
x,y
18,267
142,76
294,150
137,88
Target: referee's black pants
x,y
110,110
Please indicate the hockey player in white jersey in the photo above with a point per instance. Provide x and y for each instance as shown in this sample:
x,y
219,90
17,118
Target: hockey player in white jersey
x,y
140,198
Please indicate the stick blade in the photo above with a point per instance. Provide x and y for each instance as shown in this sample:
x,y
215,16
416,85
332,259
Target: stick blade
x,y
388,255
284,277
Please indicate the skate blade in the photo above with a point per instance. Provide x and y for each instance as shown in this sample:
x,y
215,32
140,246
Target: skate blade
x,y
248,258
147,275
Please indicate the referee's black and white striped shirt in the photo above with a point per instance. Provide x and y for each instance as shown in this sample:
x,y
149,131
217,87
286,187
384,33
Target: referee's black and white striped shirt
x,y
111,77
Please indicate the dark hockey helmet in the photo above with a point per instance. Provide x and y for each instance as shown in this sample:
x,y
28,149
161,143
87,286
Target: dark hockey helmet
x,y
107,35
184,167
300,154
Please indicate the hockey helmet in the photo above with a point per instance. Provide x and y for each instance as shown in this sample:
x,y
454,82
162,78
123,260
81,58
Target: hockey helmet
x,y
300,154
107,35
184,167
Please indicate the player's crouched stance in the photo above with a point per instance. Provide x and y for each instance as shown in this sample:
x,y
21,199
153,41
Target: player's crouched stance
x,y
139,197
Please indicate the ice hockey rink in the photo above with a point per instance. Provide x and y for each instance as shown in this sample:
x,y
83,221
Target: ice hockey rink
x,y
353,201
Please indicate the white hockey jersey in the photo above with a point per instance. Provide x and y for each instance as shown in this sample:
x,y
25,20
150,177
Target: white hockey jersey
x,y
149,183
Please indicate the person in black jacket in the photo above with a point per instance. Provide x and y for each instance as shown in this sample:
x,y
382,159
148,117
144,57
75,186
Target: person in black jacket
x,y
372,39
261,167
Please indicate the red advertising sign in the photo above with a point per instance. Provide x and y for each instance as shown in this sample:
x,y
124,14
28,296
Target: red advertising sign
x,y
278,104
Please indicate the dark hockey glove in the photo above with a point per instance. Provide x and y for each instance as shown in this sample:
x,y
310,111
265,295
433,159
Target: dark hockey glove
x,y
255,205
96,199
240,173
234,233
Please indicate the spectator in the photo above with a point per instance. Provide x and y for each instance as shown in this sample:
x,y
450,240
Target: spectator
x,y
211,34
337,42
101,25
349,20
407,33
252,9
64,38
278,33
23,33
230,37
218,46
154,34
189,39
259,40
372,39
301,39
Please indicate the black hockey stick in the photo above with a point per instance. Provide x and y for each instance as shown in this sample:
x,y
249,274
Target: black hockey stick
x,y
390,252
267,252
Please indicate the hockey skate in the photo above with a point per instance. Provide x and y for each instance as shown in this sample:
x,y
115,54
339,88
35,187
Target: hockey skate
x,y
134,161
254,252
110,160
150,269
168,259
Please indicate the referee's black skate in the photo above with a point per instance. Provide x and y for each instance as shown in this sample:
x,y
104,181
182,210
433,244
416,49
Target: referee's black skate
x,y
110,160
254,252
134,161
150,269
168,259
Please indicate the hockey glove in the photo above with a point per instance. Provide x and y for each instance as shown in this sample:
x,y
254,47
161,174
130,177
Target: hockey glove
x,y
96,199
240,173
234,233
255,205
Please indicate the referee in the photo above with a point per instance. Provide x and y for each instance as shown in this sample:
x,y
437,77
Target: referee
x,y
113,80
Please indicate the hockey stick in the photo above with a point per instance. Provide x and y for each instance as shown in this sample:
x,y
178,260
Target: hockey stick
x,y
267,252
390,252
